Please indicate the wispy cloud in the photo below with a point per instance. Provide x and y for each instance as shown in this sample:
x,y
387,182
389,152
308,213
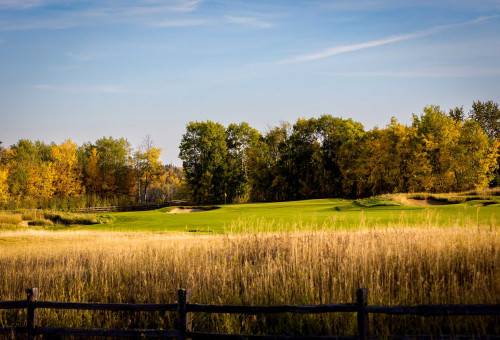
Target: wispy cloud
x,y
380,5
56,23
144,11
135,7
168,23
248,21
337,50
146,8
82,56
19,4
99,88
423,73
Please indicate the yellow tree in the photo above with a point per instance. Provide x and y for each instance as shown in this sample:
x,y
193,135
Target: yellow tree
x,y
4,185
66,178
40,184
92,173
440,135
147,166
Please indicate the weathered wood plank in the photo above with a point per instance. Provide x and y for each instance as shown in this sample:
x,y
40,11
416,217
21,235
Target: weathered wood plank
x,y
13,330
436,310
138,307
236,309
202,335
107,332
13,304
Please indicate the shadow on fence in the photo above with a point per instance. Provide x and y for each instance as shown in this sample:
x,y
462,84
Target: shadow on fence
x,y
182,309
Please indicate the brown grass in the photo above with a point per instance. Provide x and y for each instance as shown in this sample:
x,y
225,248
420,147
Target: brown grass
x,y
10,219
398,266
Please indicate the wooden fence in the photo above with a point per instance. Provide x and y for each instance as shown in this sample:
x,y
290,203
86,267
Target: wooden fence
x,y
182,308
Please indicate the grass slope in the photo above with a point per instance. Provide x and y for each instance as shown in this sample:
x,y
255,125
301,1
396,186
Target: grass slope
x,y
303,215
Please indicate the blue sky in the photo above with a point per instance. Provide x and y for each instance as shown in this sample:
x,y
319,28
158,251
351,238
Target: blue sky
x,y
86,69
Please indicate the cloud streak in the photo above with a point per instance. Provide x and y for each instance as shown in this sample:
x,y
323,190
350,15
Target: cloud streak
x,y
337,50
100,88
426,73
19,4
248,21
91,14
173,23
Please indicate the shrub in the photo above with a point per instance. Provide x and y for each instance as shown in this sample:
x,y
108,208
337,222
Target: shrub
x,y
41,223
69,218
375,202
29,215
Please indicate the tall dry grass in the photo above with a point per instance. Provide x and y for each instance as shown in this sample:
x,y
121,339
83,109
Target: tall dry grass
x,y
398,266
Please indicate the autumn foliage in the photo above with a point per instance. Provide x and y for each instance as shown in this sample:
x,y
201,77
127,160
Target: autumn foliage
x,y
34,174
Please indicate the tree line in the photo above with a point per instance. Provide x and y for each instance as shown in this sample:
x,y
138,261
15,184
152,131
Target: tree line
x,y
312,158
336,157
105,172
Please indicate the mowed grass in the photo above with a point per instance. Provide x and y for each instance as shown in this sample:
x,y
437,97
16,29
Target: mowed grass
x,y
303,215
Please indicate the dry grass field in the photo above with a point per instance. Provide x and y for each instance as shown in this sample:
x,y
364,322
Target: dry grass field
x,y
397,265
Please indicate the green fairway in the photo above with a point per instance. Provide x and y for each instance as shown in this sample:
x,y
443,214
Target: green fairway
x,y
303,215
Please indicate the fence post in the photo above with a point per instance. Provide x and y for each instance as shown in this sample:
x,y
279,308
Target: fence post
x,y
181,322
362,302
31,296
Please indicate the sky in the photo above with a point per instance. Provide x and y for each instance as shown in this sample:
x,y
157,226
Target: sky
x,y
87,69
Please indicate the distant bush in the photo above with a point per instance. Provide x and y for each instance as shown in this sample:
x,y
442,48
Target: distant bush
x,y
41,223
418,196
69,218
375,202
31,214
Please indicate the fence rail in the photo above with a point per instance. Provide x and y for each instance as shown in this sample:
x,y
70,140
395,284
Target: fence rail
x,y
182,308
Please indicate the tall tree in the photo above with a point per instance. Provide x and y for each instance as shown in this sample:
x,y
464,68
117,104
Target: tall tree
x,y
337,137
203,151
475,158
240,138
457,113
266,171
304,156
487,114
66,178
114,157
31,172
4,185
147,167
440,135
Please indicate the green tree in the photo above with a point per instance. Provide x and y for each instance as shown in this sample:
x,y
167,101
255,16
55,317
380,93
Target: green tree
x,y
337,137
304,160
266,170
203,151
487,114
457,113
240,138
115,168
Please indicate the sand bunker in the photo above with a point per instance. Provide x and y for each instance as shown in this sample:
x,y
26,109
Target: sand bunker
x,y
184,210
418,202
